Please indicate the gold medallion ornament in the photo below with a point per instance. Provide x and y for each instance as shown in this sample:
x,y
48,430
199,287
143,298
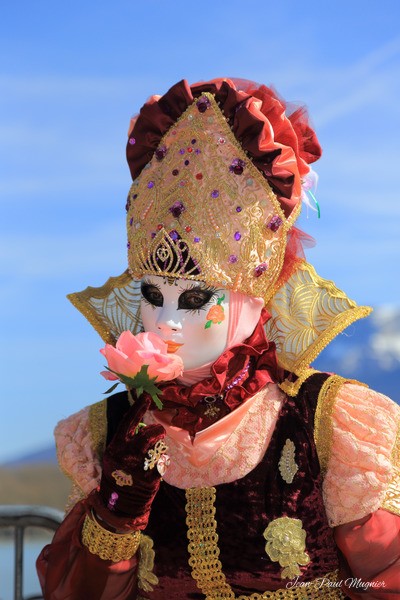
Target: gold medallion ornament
x,y
286,542
287,464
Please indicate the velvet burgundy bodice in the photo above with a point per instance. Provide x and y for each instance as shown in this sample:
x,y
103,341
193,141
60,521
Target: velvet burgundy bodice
x,y
245,507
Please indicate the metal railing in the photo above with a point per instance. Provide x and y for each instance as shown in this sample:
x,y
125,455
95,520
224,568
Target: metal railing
x,y
19,518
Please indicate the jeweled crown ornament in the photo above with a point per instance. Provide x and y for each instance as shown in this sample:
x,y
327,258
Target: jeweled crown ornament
x,y
201,209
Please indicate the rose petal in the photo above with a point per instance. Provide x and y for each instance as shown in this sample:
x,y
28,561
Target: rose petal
x,y
109,376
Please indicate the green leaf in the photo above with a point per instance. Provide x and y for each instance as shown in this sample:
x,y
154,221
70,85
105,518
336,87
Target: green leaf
x,y
208,325
141,383
112,388
220,300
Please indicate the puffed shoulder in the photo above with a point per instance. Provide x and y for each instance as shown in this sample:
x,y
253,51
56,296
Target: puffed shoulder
x,y
362,470
78,442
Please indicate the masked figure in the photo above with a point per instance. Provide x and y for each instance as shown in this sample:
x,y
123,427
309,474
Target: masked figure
x,y
260,477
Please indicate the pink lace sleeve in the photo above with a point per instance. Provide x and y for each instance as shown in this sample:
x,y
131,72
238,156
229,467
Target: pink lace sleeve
x,y
77,453
360,469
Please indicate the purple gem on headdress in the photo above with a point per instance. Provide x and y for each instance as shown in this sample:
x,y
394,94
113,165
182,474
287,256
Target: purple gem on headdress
x,y
197,151
233,258
237,166
134,196
150,184
153,235
161,152
238,209
128,245
203,103
182,151
196,240
194,141
274,223
237,235
128,204
132,141
260,269
177,209
214,194
131,221
175,172
186,162
174,235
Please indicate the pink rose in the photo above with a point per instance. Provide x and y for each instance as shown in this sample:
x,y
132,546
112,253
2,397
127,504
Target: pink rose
x,y
132,352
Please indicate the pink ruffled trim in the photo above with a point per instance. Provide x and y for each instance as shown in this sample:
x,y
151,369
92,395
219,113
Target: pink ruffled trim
x,y
227,450
359,470
75,451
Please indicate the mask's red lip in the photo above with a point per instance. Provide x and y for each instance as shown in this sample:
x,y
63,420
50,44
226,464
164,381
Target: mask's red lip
x,y
172,346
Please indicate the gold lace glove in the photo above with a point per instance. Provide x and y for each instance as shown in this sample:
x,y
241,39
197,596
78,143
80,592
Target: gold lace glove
x,y
108,545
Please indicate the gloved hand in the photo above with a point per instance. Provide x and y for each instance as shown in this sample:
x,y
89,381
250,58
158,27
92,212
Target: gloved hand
x,y
133,464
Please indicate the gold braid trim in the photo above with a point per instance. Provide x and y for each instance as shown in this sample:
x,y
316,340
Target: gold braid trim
x,y
98,426
108,545
392,498
207,568
323,428
291,388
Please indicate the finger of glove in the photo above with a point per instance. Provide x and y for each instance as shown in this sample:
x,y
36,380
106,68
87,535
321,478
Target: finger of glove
x,y
147,438
130,422
131,453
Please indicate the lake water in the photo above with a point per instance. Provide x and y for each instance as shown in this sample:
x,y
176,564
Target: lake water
x,y
32,550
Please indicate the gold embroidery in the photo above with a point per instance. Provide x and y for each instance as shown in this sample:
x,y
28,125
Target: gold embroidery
x,y
146,577
154,455
112,308
307,313
207,568
206,234
98,426
122,478
286,542
287,464
108,545
392,498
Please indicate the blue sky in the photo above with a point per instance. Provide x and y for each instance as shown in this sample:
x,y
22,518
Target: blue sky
x,y
71,75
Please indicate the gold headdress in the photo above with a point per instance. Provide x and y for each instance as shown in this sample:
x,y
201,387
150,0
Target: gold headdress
x,y
201,210
217,173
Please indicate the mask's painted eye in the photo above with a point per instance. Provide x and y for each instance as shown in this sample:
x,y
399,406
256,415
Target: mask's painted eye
x,y
195,298
152,294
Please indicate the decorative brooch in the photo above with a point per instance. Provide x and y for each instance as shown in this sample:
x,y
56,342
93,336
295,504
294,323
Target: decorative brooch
x,y
287,464
286,543
122,478
157,457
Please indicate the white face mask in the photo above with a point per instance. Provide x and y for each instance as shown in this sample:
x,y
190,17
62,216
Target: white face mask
x,y
190,316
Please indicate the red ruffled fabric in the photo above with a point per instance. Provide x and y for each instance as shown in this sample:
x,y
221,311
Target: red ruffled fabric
x,y
255,359
281,144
